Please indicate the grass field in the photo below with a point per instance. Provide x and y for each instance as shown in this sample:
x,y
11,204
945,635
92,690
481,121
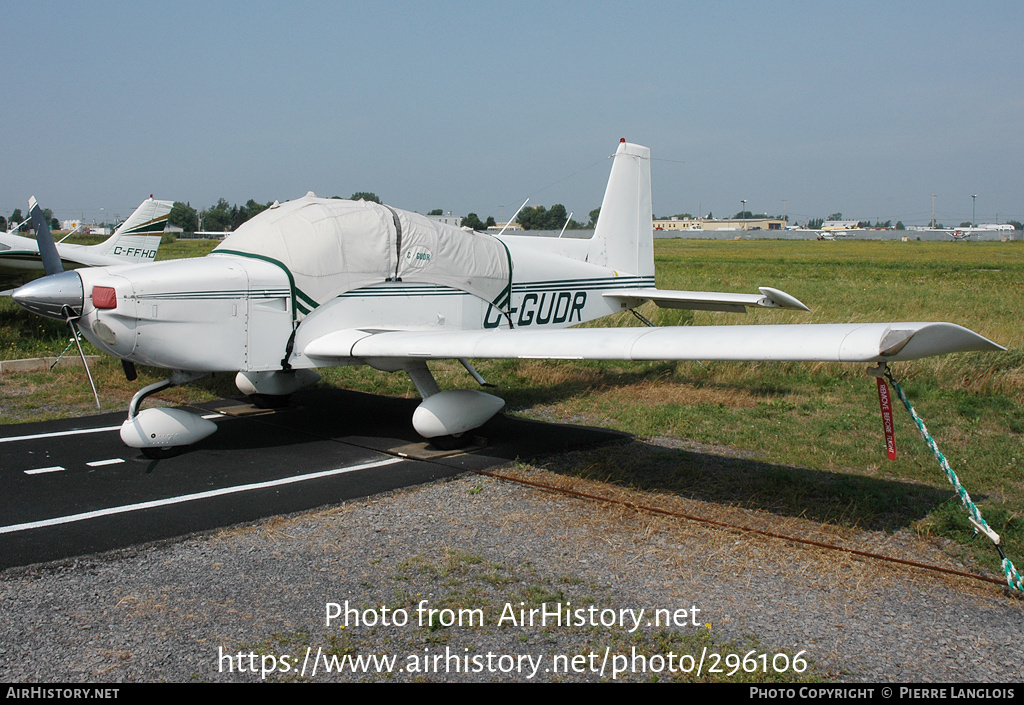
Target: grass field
x,y
808,436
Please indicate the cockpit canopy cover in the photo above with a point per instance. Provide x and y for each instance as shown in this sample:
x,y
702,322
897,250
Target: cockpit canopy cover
x,y
331,246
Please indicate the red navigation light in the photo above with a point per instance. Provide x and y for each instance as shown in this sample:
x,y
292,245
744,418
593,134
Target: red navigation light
x,y
104,297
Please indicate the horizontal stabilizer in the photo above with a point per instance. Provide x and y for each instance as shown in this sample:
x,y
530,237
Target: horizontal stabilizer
x,y
706,300
826,342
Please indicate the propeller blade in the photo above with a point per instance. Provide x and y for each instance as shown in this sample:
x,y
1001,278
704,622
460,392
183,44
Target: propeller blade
x,y
53,265
47,248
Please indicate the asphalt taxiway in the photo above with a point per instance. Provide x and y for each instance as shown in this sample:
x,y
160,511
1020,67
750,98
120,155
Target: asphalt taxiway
x,y
72,488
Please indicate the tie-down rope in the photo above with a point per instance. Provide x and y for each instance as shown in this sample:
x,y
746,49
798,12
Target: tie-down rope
x,y
1013,579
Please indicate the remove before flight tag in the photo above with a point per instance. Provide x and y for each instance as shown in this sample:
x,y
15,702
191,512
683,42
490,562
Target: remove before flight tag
x,y
885,401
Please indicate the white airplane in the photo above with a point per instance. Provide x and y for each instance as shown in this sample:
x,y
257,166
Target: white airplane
x,y
135,240
323,282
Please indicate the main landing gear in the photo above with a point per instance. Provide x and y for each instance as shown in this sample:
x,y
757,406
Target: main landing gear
x,y
446,418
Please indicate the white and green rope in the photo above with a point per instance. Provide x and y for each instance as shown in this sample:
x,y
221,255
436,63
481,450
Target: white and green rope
x,y
1013,578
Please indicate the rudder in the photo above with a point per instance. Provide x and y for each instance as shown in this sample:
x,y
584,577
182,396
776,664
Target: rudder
x,y
138,238
624,235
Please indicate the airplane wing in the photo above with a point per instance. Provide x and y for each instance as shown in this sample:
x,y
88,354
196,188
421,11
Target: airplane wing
x,y
831,342
706,300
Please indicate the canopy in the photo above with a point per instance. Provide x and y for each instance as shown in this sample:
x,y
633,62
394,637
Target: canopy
x,y
330,246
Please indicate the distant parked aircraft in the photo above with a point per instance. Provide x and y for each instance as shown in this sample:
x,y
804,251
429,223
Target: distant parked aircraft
x,y
136,240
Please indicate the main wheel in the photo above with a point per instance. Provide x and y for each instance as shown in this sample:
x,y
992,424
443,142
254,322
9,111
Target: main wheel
x,y
452,442
270,401
161,453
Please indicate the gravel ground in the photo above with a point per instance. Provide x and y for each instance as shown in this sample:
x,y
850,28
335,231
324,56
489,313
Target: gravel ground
x,y
216,607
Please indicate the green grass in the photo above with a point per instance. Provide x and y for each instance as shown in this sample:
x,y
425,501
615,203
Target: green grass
x,y
816,428
185,248
175,249
809,435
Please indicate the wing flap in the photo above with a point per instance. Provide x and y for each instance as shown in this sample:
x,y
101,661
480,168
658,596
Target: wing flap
x,y
706,300
840,342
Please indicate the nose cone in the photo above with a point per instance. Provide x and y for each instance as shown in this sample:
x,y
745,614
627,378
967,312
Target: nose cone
x,y
49,296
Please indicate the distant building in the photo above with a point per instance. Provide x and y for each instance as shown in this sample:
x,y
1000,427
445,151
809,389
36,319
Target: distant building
x,y
449,219
456,220
83,228
683,224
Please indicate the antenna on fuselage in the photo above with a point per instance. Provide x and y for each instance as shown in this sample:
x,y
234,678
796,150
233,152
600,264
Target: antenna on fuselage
x,y
567,221
514,216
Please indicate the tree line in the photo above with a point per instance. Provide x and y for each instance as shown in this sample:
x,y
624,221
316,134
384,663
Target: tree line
x,y
222,217
531,218
225,217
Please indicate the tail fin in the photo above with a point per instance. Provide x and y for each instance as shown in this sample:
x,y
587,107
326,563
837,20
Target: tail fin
x,y
624,237
138,238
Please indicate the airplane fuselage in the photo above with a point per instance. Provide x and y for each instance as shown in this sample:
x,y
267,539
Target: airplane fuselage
x,y
203,314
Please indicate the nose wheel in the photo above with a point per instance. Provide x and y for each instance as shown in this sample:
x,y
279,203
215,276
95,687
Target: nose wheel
x,y
162,432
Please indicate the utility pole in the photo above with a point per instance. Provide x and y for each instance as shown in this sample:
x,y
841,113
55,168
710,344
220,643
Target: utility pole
x,y
973,202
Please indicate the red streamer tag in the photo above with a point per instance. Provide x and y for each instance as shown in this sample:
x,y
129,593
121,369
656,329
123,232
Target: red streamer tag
x,y
886,403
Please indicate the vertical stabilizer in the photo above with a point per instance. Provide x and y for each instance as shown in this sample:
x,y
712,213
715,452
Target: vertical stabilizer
x,y
624,237
138,238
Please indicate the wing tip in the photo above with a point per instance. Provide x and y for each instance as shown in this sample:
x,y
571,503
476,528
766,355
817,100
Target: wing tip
x,y
939,338
782,299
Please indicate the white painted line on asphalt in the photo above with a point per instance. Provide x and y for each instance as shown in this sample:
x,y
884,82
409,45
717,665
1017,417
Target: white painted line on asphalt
x,y
101,463
40,471
191,497
56,434
77,431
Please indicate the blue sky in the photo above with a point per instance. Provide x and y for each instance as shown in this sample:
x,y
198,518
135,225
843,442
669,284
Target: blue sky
x,y
864,108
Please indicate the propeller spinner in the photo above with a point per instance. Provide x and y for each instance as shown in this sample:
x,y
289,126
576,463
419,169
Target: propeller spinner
x,y
53,296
